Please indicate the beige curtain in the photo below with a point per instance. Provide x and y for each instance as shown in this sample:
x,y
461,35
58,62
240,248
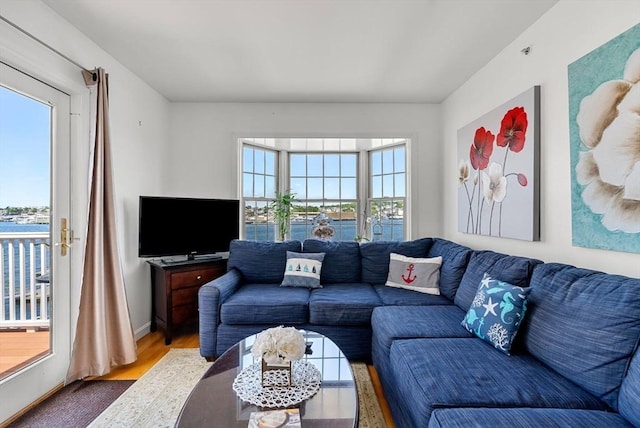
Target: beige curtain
x,y
104,336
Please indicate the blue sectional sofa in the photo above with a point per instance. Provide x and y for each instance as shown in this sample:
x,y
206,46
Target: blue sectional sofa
x,y
249,298
574,361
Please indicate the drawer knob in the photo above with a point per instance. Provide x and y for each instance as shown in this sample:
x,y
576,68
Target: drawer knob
x,y
199,277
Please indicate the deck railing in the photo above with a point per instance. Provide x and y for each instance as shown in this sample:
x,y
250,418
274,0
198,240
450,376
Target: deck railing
x,y
24,275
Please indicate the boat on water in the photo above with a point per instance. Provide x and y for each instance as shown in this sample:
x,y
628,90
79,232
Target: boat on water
x,y
32,219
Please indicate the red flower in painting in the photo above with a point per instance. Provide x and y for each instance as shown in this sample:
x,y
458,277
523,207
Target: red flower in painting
x,y
481,148
522,179
513,129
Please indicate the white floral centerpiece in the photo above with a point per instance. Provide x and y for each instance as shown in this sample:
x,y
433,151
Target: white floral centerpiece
x,y
279,345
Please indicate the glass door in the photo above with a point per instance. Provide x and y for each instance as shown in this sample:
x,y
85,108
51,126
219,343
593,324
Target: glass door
x,y
34,266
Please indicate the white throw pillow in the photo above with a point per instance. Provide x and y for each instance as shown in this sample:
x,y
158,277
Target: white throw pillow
x,y
417,274
303,270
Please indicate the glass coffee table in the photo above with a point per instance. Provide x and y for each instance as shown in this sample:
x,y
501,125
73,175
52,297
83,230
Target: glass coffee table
x,y
214,403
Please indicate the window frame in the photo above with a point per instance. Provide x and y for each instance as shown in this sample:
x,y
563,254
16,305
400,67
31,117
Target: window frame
x,y
324,202
258,200
383,198
364,178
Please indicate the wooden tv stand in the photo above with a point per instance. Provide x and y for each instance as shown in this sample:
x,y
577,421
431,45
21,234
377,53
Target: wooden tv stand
x,y
174,291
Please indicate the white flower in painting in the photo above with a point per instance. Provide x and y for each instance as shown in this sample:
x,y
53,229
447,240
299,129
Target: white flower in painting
x,y
609,170
498,335
463,171
494,184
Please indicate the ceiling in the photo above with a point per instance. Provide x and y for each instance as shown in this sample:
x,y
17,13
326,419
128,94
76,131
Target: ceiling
x,y
303,50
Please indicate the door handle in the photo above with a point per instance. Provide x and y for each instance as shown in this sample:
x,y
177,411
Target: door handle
x,y
64,244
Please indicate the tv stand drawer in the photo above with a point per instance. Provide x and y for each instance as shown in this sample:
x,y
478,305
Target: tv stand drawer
x,y
195,278
185,296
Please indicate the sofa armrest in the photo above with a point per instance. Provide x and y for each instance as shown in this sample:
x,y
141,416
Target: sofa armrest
x,y
210,297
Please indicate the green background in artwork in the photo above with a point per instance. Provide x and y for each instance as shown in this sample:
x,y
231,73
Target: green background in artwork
x,y
585,74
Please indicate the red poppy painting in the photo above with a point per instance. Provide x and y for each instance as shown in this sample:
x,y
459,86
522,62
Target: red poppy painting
x,y
481,148
513,129
498,169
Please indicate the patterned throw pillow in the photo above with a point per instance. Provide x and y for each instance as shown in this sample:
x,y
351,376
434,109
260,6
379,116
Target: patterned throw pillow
x,y
497,312
303,270
415,274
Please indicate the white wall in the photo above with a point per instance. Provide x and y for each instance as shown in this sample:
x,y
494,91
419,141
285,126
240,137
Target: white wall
x,y
203,151
139,129
568,31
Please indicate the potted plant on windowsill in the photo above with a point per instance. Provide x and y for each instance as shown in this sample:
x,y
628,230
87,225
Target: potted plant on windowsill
x,y
282,212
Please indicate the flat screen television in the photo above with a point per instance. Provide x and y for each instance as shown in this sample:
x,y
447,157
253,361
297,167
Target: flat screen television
x,y
189,227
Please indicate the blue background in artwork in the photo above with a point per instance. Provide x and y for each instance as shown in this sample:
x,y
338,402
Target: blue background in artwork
x,y
585,74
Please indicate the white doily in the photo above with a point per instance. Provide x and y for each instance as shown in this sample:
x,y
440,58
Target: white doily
x,y
306,382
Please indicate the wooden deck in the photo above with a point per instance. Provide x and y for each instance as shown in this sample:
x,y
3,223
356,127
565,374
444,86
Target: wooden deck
x,y
20,348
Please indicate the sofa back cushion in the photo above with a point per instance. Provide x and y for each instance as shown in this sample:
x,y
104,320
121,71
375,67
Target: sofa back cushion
x,y
375,256
512,269
583,324
341,260
629,399
261,262
455,258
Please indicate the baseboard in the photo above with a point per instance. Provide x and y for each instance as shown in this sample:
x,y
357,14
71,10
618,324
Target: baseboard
x,y
142,331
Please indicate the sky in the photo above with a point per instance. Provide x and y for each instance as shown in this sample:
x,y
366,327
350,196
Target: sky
x,y
24,150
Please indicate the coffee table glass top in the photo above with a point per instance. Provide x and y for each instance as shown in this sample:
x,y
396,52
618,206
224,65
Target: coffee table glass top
x,y
214,403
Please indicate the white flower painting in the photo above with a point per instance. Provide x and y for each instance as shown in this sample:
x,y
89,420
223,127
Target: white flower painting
x,y
604,91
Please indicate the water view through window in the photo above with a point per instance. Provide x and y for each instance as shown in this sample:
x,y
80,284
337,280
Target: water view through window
x,y
25,139
353,188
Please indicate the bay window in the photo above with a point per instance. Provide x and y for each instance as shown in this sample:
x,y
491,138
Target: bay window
x,y
356,186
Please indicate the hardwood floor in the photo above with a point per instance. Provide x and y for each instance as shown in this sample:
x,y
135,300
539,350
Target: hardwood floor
x,y
379,393
151,348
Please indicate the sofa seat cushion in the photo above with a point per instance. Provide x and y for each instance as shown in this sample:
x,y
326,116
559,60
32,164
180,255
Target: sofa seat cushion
x,y
512,269
341,260
354,341
524,418
343,304
391,323
266,304
401,297
375,256
455,258
435,373
583,324
261,261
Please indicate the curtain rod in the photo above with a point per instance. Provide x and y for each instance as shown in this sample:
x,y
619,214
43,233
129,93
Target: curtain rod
x,y
51,48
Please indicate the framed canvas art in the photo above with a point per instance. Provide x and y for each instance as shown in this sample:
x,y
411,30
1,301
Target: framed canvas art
x,y
604,125
498,168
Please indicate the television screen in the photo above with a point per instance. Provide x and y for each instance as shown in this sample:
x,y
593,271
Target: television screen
x,y
186,226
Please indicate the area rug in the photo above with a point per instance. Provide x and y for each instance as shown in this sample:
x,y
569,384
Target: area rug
x,y
156,399
370,415
74,406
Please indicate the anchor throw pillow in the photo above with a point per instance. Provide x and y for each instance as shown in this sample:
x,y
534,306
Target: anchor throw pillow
x,y
411,273
303,270
496,312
